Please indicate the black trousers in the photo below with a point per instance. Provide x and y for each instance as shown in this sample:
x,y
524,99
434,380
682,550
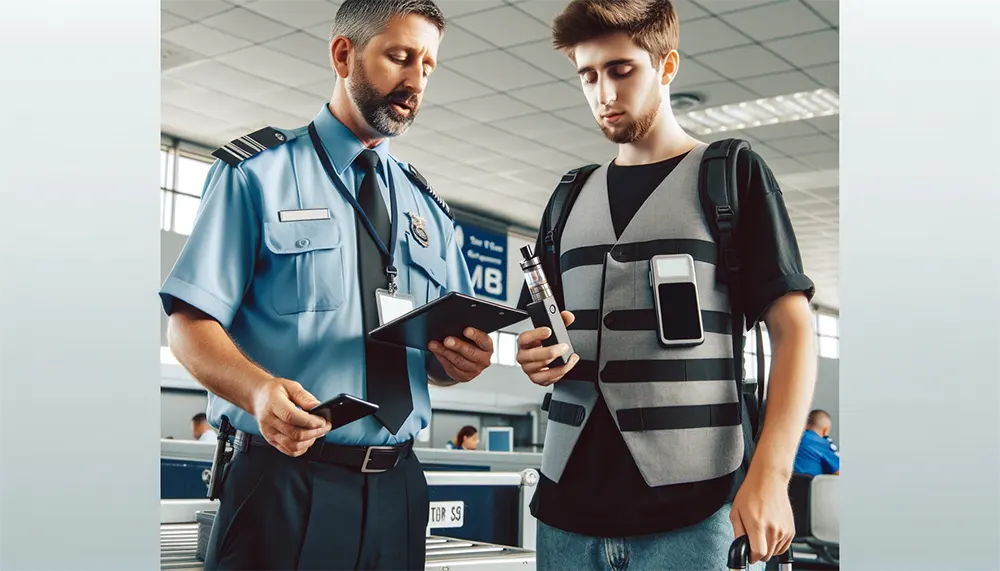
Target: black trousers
x,y
283,513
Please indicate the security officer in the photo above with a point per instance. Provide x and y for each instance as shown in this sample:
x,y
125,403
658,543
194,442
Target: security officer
x,y
817,454
300,236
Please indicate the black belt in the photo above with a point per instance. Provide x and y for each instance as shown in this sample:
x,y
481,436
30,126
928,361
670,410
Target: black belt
x,y
366,459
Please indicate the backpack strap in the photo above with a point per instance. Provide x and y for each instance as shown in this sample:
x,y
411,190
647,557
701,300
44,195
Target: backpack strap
x,y
553,221
720,189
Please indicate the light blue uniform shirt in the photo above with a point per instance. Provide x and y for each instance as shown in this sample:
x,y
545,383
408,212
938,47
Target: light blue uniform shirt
x,y
288,292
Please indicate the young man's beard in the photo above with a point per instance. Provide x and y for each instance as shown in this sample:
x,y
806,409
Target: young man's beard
x,y
377,109
638,128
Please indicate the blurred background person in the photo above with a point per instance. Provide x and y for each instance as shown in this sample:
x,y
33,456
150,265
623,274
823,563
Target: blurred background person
x,y
201,429
466,439
817,453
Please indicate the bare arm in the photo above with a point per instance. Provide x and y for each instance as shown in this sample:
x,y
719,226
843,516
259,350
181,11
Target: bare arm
x,y
791,383
204,348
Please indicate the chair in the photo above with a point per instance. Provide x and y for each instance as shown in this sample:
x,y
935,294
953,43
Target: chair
x,y
816,507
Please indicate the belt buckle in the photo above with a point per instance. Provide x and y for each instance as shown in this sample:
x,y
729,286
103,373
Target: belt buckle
x,y
368,456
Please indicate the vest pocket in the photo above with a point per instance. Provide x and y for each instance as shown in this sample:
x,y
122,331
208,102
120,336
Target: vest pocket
x,y
566,413
307,265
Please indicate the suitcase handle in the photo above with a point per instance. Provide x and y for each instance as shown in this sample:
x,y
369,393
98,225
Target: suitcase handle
x,y
739,556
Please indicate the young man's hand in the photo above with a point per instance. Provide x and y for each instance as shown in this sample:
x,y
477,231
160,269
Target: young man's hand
x,y
763,512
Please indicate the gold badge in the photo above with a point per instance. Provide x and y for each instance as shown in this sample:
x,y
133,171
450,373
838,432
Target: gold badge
x,y
418,228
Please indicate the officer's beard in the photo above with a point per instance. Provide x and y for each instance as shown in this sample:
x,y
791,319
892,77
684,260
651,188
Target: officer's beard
x,y
638,128
376,108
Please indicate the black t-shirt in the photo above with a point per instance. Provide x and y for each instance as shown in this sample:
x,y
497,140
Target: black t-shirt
x,y
601,492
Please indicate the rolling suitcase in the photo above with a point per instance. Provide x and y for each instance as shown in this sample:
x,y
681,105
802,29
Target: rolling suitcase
x,y
739,556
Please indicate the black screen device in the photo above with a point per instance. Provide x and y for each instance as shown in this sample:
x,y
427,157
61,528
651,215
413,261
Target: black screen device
x,y
344,409
447,316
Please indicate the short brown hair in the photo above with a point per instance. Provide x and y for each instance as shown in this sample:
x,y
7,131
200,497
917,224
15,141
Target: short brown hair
x,y
652,24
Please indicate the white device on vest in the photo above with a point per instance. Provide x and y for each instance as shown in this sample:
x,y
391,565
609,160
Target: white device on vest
x,y
675,296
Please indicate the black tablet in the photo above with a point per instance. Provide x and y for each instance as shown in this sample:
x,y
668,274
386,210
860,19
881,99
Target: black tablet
x,y
447,316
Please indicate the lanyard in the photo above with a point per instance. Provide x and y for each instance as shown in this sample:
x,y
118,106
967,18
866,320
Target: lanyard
x,y
387,253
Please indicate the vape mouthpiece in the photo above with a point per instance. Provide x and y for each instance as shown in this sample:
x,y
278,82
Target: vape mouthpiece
x,y
526,252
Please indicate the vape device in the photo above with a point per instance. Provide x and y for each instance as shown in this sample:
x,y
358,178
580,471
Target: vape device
x,y
543,310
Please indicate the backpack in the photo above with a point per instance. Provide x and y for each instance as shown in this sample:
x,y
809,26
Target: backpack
x,y
720,192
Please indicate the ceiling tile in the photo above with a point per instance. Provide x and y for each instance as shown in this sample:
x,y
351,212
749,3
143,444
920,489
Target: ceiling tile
x,y
290,101
499,70
275,66
726,6
245,24
782,131
458,42
221,78
445,86
489,137
537,125
690,73
553,159
500,165
688,10
544,11
205,40
277,118
828,75
768,153
824,160
797,146
505,26
709,35
222,106
579,115
828,124
550,96
194,10
320,32
723,93
441,119
323,89
597,153
828,9
808,50
743,62
454,8
304,47
492,107
542,55
444,145
786,166
173,56
178,121
295,13
783,83
169,21
829,194
776,21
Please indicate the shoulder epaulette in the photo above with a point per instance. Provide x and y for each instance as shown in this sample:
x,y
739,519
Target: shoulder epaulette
x,y
248,146
419,180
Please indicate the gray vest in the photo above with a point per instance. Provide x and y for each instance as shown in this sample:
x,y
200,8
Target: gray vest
x,y
677,409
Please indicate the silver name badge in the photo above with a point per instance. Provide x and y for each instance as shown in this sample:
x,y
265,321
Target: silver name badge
x,y
304,215
392,306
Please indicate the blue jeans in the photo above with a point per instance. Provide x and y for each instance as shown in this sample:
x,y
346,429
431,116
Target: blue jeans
x,y
704,545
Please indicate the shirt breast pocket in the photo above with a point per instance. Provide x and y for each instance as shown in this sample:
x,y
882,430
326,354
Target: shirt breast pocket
x,y
428,271
307,265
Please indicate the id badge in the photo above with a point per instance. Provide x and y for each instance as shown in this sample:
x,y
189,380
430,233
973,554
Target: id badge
x,y
392,306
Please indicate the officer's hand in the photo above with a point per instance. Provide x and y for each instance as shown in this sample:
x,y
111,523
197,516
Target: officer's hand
x,y
282,423
462,360
534,358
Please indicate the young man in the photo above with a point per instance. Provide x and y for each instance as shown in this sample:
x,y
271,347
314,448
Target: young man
x,y
272,297
644,448
201,429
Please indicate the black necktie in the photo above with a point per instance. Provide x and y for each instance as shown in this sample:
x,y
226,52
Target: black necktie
x,y
385,365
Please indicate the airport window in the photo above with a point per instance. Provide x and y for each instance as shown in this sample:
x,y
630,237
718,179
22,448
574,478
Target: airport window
x,y
166,209
496,344
828,335
191,174
750,353
507,349
185,210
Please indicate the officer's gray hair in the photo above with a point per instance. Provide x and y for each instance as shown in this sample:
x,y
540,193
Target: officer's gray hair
x,y
362,20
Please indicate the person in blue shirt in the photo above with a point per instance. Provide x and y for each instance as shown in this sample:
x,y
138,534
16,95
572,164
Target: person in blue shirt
x,y
301,238
817,453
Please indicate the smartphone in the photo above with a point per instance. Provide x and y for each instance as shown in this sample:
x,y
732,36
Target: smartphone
x,y
675,294
344,409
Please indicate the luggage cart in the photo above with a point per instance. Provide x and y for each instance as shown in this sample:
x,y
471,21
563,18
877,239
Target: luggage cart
x,y
186,524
